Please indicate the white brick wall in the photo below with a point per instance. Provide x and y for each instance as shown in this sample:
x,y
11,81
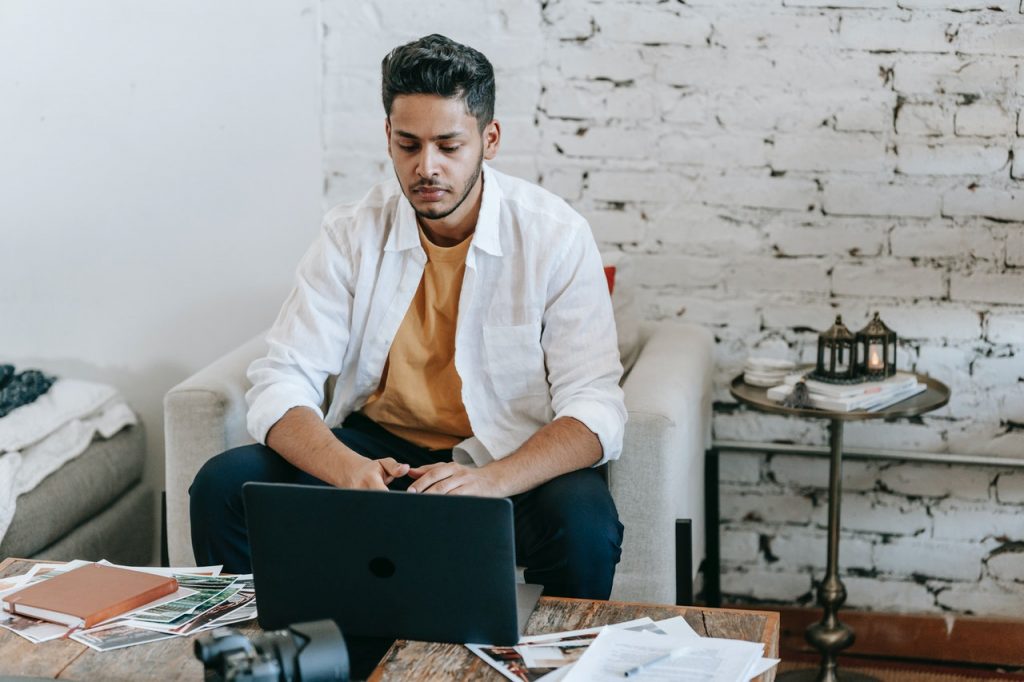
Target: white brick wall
x,y
767,164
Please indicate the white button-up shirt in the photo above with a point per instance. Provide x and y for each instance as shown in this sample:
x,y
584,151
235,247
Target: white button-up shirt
x,y
535,338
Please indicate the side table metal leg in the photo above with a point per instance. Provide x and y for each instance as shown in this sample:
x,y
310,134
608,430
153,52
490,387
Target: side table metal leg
x,y
712,561
831,636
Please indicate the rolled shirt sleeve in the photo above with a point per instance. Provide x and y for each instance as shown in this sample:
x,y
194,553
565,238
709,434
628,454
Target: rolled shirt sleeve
x,y
581,345
307,341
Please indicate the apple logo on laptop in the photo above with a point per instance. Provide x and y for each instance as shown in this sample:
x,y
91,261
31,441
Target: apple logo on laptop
x,y
382,567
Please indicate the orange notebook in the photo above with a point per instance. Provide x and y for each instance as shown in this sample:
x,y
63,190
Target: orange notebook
x,y
88,595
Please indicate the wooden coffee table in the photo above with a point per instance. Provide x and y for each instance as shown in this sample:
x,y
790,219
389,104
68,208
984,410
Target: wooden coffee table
x,y
172,659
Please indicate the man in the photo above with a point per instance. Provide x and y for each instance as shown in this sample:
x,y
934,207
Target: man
x,y
466,318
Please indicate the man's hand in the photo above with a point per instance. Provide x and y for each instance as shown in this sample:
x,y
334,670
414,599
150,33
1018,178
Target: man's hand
x,y
370,474
449,478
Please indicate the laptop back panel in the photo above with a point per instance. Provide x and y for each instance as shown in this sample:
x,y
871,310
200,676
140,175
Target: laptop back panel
x,y
384,564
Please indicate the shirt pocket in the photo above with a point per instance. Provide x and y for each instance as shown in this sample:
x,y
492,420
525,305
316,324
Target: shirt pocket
x,y
515,360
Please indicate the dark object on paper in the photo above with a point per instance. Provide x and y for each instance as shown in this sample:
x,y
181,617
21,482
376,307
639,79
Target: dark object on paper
x,y
88,595
311,652
799,398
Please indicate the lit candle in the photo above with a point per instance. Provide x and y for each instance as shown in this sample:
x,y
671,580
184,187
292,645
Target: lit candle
x,y
874,357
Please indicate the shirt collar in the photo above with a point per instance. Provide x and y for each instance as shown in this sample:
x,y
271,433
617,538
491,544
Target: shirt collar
x,y
486,236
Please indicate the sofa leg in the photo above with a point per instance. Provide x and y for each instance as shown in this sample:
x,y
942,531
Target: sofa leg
x,y
164,558
713,560
684,562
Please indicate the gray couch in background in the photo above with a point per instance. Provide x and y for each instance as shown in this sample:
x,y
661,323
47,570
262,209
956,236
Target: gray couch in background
x,y
94,507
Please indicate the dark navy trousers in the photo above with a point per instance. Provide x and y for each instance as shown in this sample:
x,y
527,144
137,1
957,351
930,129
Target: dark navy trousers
x,y
568,535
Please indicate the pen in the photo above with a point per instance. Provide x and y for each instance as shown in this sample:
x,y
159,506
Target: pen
x,y
675,653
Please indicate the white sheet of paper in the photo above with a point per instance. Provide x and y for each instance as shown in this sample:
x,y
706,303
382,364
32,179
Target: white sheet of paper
x,y
707,659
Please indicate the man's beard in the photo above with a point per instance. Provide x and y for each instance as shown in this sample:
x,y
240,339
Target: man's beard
x,y
437,215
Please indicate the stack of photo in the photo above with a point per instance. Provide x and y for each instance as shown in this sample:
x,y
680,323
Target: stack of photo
x,y
866,396
196,599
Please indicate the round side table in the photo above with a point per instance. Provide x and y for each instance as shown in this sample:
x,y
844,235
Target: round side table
x,y
831,636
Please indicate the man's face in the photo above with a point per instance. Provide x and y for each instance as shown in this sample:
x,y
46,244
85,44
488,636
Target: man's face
x,y
437,149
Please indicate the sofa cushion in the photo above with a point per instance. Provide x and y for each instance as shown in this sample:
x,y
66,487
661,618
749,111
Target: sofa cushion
x,y
76,492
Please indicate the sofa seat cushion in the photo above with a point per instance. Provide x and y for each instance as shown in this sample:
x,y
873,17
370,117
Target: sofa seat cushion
x,y
76,492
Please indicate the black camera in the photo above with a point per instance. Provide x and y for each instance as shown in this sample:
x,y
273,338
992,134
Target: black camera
x,y
306,652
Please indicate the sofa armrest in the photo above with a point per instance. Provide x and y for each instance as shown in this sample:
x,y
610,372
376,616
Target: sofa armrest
x,y
660,476
203,416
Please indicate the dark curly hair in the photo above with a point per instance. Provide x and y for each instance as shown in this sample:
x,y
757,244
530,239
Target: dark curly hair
x,y
436,65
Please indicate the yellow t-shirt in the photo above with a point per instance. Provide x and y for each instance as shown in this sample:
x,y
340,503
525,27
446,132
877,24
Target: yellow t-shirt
x,y
420,394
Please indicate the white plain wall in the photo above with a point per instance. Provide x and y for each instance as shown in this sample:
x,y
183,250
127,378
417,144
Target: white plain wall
x,y
160,176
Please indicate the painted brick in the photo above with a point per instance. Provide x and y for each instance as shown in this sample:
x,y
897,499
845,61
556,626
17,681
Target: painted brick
x,y
771,31
739,468
931,480
848,152
751,426
925,321
703,229
808,549
1015,248
568,20
986,599
943,560
988,287
813,472
924,119
651,24
764,508
735,316
998,371
891,596
608,185
948,364
991,39
989,202
739,546
983,120
1007,567
883,514
1009,402
766,585
714,151
838,4
680,106
844,197
1010,487
590,142
1005,328
951,158
954,520
1017,169
927,75
565,182
596,100
760,192
683,271
780,274
898,435
616,226
960,5
806,314
614,63
828,237
886,278
873,115
911,35
943,239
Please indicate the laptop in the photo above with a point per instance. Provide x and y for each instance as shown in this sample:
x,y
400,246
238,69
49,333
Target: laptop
x,y
402,565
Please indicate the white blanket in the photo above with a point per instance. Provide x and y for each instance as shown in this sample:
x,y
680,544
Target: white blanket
x,y
38,438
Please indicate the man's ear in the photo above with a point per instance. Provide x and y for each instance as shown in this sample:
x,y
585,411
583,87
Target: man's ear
x,y
492,139
387,132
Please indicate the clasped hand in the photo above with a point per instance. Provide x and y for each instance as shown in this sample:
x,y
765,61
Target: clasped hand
x,y
443,478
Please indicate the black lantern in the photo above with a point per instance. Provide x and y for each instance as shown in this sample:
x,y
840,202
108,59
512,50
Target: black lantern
x,y
876,350
837,355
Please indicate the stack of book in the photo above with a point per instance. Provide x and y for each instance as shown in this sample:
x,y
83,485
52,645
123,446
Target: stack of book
x,y
867,396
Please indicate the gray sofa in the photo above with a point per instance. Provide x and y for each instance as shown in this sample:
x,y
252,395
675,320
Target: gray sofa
x,y
658,479
94,507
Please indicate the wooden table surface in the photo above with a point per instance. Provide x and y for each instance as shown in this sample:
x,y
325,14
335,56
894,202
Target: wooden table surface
x,y
173,659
